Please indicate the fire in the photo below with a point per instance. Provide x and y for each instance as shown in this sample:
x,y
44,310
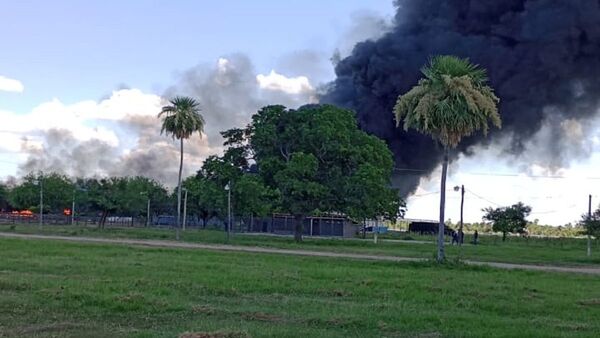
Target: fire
x,y
26,213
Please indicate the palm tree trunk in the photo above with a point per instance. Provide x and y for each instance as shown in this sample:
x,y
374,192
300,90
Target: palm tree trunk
x,y
440,254
179,190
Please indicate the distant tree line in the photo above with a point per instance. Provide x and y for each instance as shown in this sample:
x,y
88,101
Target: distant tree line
x,y
124,196
513,220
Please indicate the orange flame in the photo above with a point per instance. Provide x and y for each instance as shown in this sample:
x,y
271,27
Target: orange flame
x,y
26,213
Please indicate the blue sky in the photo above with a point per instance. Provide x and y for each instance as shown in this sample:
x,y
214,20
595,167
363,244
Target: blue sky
x,y
77,50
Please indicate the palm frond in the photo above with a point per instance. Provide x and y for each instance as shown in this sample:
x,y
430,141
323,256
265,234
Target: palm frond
x,y
452,101
181,118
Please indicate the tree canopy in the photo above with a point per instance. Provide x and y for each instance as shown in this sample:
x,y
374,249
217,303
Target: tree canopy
x,y
321,162
451,101
57,191
250,196
126,196
591,224
4,196
510,219
181,118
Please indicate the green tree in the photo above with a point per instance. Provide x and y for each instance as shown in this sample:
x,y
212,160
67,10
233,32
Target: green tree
x,y
103,195
181,119
508,219
219,170
4,193
451,102
590,227
253,198
125,196
57,191
319,161
206,197
383,202
301,190
133,200
250,196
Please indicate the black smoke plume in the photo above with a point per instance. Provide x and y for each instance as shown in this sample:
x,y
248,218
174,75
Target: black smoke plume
x,y
542,57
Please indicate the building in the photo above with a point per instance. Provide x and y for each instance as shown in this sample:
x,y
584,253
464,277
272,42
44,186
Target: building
x,y
283,224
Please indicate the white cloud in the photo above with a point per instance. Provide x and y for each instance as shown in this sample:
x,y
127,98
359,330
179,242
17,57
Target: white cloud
x,y
10,85
104,137
84,119
289,85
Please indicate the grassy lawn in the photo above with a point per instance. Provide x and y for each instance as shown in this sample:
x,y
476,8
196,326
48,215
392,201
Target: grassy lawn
x,y
560,251
56,289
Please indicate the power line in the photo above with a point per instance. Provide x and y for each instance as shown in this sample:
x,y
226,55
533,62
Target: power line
x,y
425,194
482,198
500,174
407,169
570,207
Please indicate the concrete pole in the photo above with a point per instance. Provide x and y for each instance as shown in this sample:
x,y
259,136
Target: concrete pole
x,y
41,200
185,208
462,205
589,238
148,213
73,210
228,210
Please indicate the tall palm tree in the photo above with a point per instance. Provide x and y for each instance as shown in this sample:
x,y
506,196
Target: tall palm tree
x,y
180,120
452,101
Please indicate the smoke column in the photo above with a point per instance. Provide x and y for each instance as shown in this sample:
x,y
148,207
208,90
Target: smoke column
x,y
542,58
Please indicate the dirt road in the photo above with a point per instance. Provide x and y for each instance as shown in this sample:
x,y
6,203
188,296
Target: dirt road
x,y
253,249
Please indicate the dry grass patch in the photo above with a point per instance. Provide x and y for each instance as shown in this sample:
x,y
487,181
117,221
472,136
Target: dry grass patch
x,y
262,317
218,334
590,302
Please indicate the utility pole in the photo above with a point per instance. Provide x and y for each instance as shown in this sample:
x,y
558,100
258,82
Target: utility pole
x,y
41,180
147,194
228,188
462,205
589,238
184,207
73,209
148,213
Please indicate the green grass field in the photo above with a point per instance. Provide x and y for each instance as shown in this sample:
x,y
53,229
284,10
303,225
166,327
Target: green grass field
x,y
58,289
560,251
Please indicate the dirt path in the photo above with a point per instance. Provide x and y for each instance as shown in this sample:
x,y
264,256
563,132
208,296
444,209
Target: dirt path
x,y
253,249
